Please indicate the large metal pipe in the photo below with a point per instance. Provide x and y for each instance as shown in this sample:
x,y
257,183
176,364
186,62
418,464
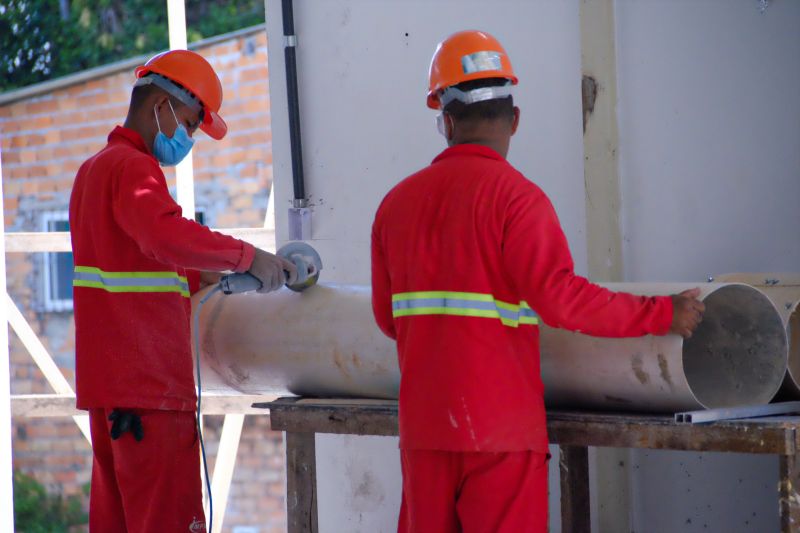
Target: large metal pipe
x,y
324,342
784,291
737,356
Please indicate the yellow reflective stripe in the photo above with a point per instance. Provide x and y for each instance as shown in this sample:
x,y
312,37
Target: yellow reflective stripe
x,y
158,275
456,311
127,282
129,288
476,296
468,304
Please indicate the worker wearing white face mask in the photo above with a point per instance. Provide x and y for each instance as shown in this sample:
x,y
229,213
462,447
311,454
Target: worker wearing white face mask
x,y
137,259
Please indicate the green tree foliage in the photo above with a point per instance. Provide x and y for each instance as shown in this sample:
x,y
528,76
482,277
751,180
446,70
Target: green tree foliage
x,y
36,511
44,39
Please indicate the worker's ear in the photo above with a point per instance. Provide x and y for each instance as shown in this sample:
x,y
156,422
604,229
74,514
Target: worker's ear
x,y
515,123
160,101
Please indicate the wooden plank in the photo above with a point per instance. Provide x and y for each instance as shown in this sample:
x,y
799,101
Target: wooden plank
x,y
223,467
739,437
49,405
601,141
59,241
354,417
348,419
575,509
788,496
23,241
301,483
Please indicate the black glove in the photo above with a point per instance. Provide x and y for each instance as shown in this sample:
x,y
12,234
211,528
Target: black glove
x,y
125,421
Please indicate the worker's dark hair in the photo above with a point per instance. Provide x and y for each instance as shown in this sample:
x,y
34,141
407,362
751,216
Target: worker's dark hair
x,y
486,110
141,93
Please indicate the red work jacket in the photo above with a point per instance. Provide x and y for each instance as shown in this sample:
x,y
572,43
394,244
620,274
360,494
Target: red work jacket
x,y
467,257
132,249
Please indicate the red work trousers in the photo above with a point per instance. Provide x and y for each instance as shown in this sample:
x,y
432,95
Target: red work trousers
x,y
150,486
473,492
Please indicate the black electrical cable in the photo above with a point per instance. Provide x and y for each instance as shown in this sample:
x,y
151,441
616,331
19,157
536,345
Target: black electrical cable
x,y
290,59
195,337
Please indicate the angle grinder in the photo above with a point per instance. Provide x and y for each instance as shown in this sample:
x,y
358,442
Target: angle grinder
x,y
302,255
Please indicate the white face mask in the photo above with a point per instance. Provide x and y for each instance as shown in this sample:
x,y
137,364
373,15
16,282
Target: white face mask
x,y
441,126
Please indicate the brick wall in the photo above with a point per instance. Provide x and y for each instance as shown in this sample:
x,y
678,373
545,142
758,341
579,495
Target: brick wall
x,y
44,139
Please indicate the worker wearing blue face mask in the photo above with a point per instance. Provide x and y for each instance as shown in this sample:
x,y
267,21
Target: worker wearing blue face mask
x,y
171,150
137,259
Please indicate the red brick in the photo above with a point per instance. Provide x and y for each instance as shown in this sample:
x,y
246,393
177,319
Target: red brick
x,y
252,90
10,157
254,74
45,106
93,100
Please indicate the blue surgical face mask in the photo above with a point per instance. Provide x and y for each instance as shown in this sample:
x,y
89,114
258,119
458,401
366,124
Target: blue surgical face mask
x,y
171,151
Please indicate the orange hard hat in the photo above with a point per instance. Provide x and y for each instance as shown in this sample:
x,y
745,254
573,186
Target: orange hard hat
x,y
194,74
465,56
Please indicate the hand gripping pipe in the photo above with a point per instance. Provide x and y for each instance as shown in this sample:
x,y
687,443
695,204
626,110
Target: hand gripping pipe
x,y
784,291
324,342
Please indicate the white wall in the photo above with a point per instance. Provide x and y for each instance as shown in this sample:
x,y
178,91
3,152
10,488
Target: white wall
x,y
362,69
709,116
710,152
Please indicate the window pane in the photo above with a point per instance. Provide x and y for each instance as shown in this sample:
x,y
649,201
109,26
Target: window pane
x,y
63,276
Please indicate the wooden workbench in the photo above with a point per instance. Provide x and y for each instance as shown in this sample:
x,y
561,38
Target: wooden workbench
x,y
574,432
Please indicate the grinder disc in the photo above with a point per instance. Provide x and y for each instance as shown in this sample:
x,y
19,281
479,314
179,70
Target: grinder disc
x,y
307,261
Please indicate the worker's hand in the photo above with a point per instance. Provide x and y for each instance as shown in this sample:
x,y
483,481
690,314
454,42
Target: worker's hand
x,y
209,278
272,271
124,421
687,312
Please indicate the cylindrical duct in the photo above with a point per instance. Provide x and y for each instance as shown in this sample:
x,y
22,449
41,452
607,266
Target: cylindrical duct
x,y
737,356
320,342
324,342
784,291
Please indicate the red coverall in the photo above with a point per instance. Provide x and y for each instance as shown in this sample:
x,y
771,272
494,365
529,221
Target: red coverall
x,y
133,251
467,256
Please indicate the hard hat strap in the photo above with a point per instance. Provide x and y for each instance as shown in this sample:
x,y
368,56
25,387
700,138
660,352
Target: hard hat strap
x,y
171,88
474,95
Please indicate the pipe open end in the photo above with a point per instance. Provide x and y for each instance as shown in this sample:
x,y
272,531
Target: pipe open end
x,y
793,334
737,356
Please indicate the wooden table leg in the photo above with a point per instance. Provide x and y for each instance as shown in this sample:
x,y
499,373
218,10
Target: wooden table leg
x,y
789,498
574,467
301,483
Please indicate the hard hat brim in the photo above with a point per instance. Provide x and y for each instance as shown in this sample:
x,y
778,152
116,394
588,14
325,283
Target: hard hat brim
x,y
213,125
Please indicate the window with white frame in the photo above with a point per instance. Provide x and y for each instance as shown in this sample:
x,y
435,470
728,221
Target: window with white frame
x,y
57,271
58,266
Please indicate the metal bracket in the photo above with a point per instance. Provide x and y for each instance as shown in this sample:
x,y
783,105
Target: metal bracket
x,y
736,413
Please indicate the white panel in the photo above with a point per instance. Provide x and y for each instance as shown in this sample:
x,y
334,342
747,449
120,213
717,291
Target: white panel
x,y
362,71
704,492
358,483
710,137
710,177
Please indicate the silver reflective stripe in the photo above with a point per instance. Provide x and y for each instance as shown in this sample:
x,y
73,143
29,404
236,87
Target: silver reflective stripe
x,y
481,62
462,304
92,277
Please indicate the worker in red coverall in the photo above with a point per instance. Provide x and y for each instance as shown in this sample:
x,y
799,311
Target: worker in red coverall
x,y
467,257
136,261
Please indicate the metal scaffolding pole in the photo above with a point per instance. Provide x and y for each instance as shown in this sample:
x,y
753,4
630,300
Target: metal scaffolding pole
x,y
6,465
184,171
